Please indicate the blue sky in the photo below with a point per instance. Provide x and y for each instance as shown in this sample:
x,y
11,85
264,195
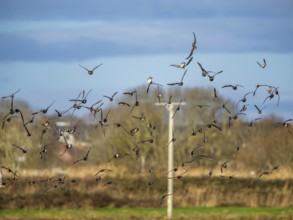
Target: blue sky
x,y
42,44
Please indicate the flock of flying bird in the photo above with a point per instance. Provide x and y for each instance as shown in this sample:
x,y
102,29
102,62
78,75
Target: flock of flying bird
x,y
81,100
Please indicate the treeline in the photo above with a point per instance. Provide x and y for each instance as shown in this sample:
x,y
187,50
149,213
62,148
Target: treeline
x,y
208,132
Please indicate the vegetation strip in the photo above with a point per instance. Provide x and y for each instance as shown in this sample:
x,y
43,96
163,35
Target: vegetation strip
x,y
151,212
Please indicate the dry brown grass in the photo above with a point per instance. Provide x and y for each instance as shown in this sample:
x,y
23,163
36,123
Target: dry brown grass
x,y
196,189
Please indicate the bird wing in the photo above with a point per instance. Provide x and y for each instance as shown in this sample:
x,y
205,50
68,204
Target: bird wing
x,y
84,67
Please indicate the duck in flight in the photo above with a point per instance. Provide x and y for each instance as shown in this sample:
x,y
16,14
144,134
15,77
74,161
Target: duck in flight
x,y
90,72
194,47
182,65
262,65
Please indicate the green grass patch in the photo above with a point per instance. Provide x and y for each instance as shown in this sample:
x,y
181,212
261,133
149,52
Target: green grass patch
x,y
152,213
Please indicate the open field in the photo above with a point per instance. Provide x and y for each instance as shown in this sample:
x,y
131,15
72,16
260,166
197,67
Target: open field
x,y
88,193
152,213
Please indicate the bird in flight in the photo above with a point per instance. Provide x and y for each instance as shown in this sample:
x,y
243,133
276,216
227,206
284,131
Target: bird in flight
x,y
90,72
150,82
212,77
111,98
20,148
234,87
163,197
259,110
262,65
183,64
178,83
85,158
194,47
286,124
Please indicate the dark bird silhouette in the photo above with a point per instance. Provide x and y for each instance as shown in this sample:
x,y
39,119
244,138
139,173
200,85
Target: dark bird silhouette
x,y
108,183
257,86
234,87
252,123
130,93
225,107
268,172
102,171
182,65
111,98
234,117
8,119
264,173
195,156
44,150
20,148
169,101
133,131
145,141
151,82
204,73
193,47
200,106
259,110
124,104
212,77
244,108
115,154
224,166
178,177
85,158
10,171
244,99
214,125
141,117
163,197
272,92
177,108
90,72
192,134
94,110
119,125
178,83
286,124
262,65
45,110
173,139
215,95
136,103
12,100
237,148
22,120
159,94
83,99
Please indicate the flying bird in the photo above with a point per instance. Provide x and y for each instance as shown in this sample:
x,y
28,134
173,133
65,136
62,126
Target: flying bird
x,y
151,82
163,197
178,83
234,87
212,77
90,72
182,65
85,158
286,124
204,73
262,65
111,98
194,47
259,110
20,148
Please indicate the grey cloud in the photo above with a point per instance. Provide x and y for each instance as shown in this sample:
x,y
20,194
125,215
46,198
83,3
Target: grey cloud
x,y
74,30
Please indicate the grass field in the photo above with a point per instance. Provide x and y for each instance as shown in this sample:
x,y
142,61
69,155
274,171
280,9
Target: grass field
x,y
152,213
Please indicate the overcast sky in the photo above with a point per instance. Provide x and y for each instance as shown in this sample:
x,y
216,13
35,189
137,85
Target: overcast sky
x,y
42,44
